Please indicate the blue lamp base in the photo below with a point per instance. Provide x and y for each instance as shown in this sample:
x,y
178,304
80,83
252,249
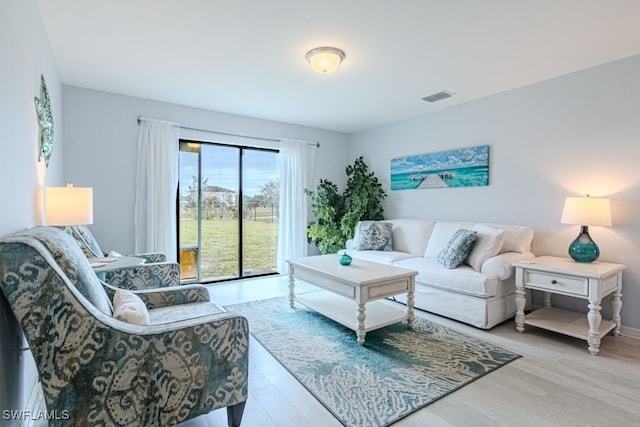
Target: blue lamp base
x,y
583,249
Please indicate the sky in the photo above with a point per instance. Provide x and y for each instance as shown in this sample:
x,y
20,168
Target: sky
x,y
220,165
451,159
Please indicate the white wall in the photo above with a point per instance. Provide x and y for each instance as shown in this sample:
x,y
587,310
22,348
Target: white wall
x,y
101,132
574,135
25,54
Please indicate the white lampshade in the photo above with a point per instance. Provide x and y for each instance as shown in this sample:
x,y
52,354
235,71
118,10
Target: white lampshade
x,y
586,211
325,60
67,206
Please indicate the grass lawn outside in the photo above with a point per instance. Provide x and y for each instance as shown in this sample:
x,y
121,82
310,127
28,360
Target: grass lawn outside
x,y
219,252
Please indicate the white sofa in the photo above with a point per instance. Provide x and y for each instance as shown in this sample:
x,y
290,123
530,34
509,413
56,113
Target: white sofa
x,y
483,297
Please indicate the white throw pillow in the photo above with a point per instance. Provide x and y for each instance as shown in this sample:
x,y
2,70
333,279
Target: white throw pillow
x,y
488,244
129,308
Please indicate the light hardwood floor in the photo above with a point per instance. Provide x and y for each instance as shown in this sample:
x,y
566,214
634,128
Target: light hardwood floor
x,y
556,382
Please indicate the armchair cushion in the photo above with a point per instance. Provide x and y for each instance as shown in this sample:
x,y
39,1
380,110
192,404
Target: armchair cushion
x,y
165,297
128,307
168,314
158,306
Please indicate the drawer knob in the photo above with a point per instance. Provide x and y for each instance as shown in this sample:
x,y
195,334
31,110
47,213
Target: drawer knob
x,y
554,281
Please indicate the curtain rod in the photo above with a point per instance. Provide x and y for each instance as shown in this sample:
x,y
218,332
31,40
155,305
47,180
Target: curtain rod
x,y
316,143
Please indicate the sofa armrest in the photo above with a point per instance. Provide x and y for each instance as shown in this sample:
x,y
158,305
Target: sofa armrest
x,y
501,265
145,276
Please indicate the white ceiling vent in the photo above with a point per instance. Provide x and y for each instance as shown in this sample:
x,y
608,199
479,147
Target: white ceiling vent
x,y
438,96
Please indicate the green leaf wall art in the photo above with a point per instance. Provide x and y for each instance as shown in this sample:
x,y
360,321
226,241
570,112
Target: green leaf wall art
x,y
45,120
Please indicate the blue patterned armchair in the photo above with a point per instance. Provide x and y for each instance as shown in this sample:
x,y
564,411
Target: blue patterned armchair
x,y
92,249
190,359
156,273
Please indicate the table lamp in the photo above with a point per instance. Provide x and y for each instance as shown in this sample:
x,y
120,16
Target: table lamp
x,y
585,211
67,206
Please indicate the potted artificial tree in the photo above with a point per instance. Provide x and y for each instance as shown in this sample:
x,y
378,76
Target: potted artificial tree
x,y
336,215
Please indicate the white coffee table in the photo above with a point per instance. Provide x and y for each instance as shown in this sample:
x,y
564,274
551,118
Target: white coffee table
x,y
363,282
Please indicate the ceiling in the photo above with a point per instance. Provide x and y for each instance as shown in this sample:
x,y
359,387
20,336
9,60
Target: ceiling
x,y
247,57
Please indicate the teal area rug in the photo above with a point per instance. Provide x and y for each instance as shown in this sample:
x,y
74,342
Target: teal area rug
x,y
395,373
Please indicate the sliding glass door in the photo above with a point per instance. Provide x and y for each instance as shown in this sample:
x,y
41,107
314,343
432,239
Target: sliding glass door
x,y
228,211
260,203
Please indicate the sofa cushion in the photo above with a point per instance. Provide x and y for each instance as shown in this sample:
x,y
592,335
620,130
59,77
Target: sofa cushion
x,y
411,235
458,248
517,238
462,280
383,257
374,236
488,243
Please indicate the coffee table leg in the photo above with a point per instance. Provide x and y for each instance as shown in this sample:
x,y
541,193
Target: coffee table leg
x,y
410,315
361,316
292,285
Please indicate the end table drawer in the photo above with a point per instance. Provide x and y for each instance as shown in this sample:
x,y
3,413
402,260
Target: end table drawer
x,y
557,283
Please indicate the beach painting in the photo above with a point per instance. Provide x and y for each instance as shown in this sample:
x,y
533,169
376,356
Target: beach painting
x,y
465,167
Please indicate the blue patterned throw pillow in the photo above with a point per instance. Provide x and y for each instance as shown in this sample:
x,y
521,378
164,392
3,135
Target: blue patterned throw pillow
x,y
374,236
458,248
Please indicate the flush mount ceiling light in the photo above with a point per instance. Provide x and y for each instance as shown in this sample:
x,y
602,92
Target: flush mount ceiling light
x,y
325,60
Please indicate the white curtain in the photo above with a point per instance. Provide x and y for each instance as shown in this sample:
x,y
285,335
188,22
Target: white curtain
x,y
157,186
296,162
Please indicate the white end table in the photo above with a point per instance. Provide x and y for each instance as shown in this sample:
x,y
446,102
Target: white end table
x,y
590,281
102,265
